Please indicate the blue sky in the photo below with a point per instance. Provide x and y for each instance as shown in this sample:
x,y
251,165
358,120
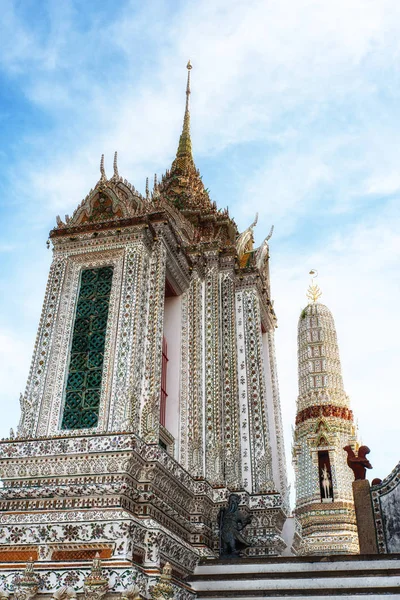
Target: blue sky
x,y
295,114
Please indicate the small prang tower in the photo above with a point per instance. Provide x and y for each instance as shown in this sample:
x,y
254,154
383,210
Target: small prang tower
x,y
324,425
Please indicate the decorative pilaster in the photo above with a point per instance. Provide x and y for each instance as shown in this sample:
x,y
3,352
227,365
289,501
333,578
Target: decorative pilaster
x,y
31,400
129,355
256,451
230,392
150,417
214,432
191,445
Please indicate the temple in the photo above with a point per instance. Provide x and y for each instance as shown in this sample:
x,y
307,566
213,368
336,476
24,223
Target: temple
x,y
152,395
324,426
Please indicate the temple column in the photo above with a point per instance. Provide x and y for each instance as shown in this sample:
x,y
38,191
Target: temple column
x,y
214,432
129,355
191,445
230,393
256,450
151,384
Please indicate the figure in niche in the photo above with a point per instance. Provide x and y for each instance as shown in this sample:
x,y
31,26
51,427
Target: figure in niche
x,y
231,524
326,483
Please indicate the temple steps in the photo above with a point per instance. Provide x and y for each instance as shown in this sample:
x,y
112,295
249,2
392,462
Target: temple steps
x,y
314,577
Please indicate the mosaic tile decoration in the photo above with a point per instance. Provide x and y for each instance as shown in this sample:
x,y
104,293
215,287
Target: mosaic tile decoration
x,y
82,394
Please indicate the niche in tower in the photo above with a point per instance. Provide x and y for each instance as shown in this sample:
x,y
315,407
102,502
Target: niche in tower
x,y
170,376
325,476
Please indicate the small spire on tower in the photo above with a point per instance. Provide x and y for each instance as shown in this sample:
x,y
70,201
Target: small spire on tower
x,y
102,170
313,292
115,165
184,152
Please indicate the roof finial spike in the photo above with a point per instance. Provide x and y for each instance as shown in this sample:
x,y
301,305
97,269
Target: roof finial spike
x,y
184,152
102,171
115,165
147,189
155,181
189,68
313,292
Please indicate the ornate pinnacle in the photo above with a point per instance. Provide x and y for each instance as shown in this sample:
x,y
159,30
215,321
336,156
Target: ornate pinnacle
x,y
313,292
102,170
95,584
115,165
163,589
184,152
26,586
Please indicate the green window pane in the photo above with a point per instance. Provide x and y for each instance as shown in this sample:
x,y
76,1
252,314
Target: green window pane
x,y
95,360
80,343
93,379
88,419
82,393
73,400
92,398
71,419
84,308
88,276
76,381
98,323
88,291
78,361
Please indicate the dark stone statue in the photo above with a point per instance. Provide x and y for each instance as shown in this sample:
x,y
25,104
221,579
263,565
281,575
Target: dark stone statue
x,y
358,464
231,524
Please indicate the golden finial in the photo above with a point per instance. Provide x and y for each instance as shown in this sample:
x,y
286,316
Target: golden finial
x,y
185,143
189,68
313,292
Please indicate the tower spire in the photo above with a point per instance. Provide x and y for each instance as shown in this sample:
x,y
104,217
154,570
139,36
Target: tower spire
x,y
324,426
184,152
